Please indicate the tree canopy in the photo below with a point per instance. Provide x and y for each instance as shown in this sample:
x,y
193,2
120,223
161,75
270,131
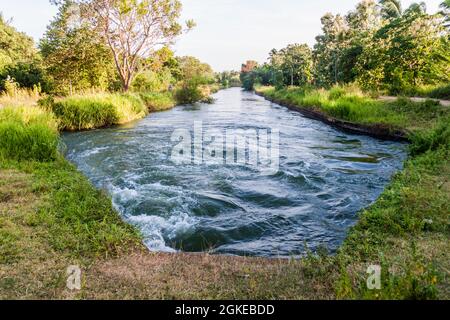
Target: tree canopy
x,y
379,45
134,29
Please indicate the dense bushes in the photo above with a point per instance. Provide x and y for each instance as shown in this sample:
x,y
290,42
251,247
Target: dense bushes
x,y
189,93
27,75
435,92
28,133
441,91
96,110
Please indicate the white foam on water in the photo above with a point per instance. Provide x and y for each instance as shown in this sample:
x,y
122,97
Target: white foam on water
x,y
123,194
153,228
90,152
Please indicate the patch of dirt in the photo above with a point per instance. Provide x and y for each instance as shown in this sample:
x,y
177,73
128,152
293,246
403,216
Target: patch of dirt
x,y
144,275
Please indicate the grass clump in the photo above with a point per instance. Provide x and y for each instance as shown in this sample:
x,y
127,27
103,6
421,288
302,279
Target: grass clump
x,y
440,92
16,96
28,133
158,101
51,217
96,110
78,219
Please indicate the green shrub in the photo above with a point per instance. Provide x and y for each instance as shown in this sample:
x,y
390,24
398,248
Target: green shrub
x,y
430,91
26,75
80,219
151,81
349,103
189,93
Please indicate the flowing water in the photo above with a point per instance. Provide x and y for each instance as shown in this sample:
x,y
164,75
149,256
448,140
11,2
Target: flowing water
x,y
324,178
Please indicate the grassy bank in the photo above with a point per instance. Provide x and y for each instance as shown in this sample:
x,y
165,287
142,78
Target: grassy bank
x,y
95,110
90,111
406,231
51,217
350,104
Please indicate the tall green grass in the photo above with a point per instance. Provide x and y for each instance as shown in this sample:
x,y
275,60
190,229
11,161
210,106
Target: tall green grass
x,y
28,133
96,110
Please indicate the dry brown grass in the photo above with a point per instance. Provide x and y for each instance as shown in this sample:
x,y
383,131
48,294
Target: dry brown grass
x,y
200,276
19,97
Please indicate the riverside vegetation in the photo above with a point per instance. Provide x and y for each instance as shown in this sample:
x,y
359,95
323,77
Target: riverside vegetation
x,y
51,213
52,217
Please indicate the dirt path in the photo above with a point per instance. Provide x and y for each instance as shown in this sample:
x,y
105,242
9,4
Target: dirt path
x,y
445,103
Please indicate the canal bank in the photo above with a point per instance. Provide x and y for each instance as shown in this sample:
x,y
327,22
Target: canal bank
x,y
405,232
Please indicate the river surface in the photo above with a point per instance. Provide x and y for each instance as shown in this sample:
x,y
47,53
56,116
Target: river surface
x,y
306,196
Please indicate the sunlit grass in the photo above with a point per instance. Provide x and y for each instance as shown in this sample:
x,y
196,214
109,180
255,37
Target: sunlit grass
x,y
158,101
28,133
96,110
351,104
19,97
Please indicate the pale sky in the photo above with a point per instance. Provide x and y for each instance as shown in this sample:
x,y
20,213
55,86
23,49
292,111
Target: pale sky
x,y
228,32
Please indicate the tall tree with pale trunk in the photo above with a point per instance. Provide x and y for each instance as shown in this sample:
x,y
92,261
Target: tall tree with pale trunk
x,y
134,29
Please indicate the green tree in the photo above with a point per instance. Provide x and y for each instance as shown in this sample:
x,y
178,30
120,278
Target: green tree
x,y
328,48
15,46
75,56
19,58
158,73
228,79
193,76
408,51
390,9
134,29
248,76
445,11
294,62
191,68
363,23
